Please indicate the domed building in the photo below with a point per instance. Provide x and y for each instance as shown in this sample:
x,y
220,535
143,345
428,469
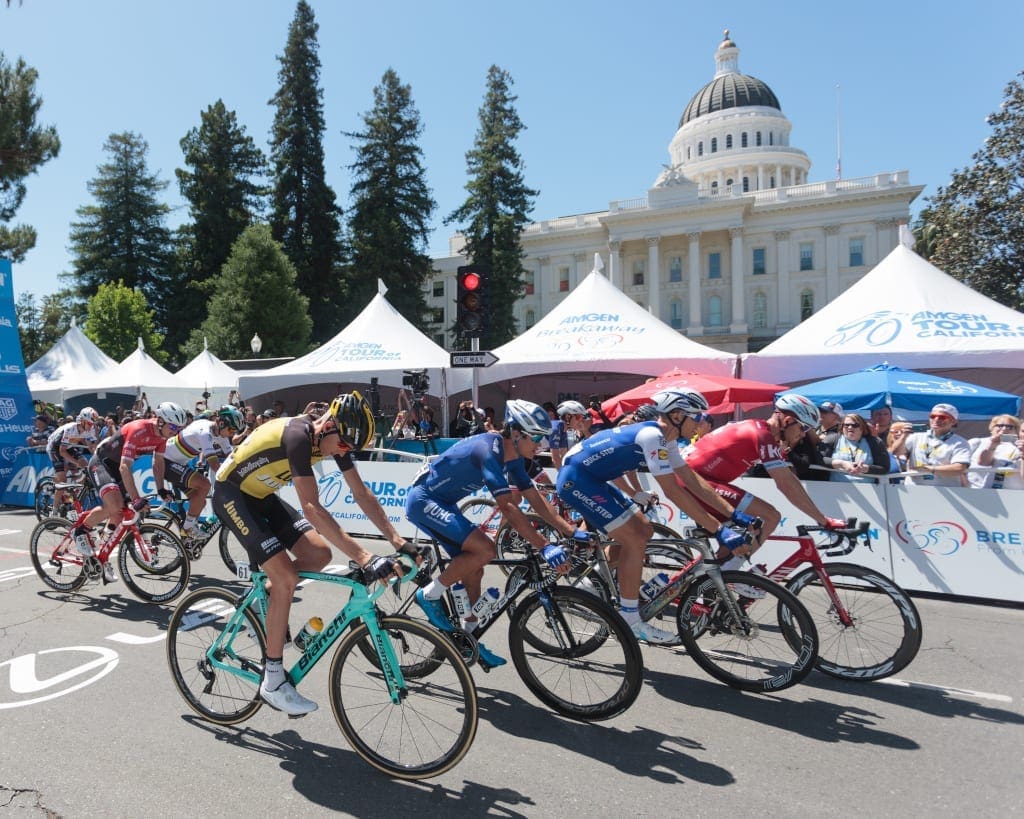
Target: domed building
x,y
732,245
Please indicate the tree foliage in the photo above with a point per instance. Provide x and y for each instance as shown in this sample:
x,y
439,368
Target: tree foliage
x,y
118,317
123,236
389,220
42,325
497,207
974,227
255,292
24,146
305,217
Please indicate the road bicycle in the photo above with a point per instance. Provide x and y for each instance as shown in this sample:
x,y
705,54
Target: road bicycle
x,y
78,488
868,626
172,515
151,559
400,692
571,649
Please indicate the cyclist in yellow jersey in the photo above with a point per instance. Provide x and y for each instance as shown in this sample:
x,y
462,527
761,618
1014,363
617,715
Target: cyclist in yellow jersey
x,y
282,451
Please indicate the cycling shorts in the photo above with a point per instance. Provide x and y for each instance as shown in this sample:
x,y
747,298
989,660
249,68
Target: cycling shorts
x,y
601,504
264,526
106,475
57,460
441,521
179,475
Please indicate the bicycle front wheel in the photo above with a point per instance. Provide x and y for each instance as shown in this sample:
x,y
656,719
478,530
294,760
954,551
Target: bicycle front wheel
x,y
216,666
878,631
770,645
54,556
432,726
44,498
162,574
575,653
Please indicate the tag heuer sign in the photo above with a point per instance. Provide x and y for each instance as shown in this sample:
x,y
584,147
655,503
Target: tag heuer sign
x,y
8,409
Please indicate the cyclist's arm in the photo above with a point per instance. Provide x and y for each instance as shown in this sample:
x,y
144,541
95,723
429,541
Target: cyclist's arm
x,y
65,453
324,522
510,511
790,486
371,507
629,483
686,499
158,470
547,512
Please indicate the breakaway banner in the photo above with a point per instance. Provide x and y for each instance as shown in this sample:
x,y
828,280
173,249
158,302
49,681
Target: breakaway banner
x,y
16,409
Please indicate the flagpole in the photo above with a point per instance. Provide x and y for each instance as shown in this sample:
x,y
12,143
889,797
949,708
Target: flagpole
x,y
839,145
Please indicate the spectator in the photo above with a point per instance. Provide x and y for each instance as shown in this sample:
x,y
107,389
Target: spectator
x,y
428,428
109,428
42,427
894,443
141,405
857,452
279,410
263,417
399,429
829,431
1001,456
468,421
881,421
489,420
939,456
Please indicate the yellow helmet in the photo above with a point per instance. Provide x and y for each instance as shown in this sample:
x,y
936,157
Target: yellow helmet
x,y
354,419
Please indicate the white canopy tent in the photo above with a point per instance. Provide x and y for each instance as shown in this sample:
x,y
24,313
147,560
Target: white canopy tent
x,y
74,359
207,373
910,314
137,374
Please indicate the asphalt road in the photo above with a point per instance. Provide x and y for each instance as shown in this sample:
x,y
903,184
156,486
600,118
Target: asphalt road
x,y
93,726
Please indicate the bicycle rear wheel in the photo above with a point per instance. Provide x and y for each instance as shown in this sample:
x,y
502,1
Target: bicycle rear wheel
x,y
588,665
44,498
164,574
886,631
432,726
480,511
223,687
232,552
772,645
54,556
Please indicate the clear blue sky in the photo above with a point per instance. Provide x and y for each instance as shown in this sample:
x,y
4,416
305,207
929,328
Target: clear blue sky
x,y
601,86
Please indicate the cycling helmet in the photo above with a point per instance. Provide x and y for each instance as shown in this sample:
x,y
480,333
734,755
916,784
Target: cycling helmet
x,y
801,408
690,402
232,417
527,416
571,408
171,413
88,414
354,419
645,412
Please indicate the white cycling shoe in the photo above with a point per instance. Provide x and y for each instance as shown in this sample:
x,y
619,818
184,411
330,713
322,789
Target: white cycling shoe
x,y
286,698
652,634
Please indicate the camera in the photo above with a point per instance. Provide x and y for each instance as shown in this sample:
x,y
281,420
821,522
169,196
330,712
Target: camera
x,y
593,402
417,381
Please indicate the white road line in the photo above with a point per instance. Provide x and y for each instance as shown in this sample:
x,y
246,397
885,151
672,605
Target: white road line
x,y
964,692
14,551
10,531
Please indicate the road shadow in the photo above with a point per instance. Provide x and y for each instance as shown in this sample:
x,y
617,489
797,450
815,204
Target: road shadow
x,y
116,605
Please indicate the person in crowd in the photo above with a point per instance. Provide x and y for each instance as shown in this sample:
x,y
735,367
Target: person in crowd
x,y
857,453
894,443
399,427
42,429
881,421
939,456
577,420
469,420
558,440
263,417
997,460
249,424
828,433
109,427
489,420
428,427
140,406
279,411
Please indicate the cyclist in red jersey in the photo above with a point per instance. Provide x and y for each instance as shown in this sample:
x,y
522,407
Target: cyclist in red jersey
x,y
726,453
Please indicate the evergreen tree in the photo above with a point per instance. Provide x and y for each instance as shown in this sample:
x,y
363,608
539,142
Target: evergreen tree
x,y
224,199
389,220
24,146
974,228
255,292
123,237
498,207
117,318
41,326
305,217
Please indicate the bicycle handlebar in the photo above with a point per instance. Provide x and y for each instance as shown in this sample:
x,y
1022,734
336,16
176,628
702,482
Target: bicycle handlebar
x,y
850,533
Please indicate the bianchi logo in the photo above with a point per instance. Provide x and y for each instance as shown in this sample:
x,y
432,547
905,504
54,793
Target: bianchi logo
x,y
940,537
8,409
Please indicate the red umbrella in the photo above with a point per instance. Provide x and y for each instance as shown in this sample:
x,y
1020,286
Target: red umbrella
x,y
722,392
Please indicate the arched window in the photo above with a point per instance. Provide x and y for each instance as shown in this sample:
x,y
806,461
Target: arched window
x,y
714,185
757,139
743,140
715,311
759,312
728,182
676,314
700,148
714,145
806,304
728,141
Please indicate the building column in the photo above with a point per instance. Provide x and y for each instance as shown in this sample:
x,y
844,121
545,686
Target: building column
x,y
783,266
778,177
886,237
653,276
615,263
739,306
696,327
760,177
580,272
540,285
831,262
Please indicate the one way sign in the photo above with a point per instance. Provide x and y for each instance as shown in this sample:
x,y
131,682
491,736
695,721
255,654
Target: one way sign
x,y
468,358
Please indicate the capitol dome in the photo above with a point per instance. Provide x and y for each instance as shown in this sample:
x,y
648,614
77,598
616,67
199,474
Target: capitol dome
x,y
729,91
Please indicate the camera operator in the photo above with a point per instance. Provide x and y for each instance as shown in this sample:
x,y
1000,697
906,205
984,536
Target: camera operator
x,y
469,420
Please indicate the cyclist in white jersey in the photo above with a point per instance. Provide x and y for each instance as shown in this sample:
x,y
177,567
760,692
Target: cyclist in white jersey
x,y
72,444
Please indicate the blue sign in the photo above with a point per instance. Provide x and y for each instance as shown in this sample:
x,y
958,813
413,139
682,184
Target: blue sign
x,y
16,409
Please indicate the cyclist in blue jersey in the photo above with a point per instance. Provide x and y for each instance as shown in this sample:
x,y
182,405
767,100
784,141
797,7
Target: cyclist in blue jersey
x,y
490,459
585,482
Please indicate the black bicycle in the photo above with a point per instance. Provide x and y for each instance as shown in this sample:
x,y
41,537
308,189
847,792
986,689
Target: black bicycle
x,y
78,487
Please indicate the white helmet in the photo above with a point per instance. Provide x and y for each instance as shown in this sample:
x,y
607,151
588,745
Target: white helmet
x,y
571,408
171,413
88,414
801,408
531,418
690,402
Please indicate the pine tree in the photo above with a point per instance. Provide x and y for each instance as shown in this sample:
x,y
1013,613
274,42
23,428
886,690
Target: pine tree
x,y
24,146
305,217
123,237
498,207
222,162
389,220
118,317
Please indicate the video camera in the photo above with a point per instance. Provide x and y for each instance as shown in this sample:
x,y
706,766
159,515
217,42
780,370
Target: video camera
x,y
417,381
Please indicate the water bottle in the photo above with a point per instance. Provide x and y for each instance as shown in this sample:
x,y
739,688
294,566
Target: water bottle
x,y
461,598
312,628
206,523
650,589
487,604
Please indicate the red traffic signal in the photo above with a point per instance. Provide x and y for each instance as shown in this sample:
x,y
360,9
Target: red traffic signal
x,y
471,300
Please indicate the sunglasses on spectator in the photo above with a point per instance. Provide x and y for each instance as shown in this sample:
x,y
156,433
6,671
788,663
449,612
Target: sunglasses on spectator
x,y
851,426
1005,426
940,417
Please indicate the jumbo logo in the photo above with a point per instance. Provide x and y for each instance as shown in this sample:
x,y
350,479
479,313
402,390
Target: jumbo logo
x,y
229,507
941,537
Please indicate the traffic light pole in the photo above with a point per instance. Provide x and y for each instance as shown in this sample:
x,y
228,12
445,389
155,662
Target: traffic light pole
x,y
474,345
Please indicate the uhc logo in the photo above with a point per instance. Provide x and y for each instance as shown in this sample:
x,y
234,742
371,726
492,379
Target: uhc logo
x,y
941,537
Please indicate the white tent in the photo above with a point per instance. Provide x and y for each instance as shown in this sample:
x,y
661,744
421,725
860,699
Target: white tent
x,y
910,314
137,374
207,373
73,359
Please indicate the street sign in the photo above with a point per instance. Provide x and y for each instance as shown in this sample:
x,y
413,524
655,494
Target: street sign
x,y
468,358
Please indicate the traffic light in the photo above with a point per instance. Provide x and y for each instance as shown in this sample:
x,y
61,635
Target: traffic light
x,y
471,300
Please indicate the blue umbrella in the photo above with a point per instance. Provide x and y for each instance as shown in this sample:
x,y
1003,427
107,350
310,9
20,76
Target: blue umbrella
x,y
887,386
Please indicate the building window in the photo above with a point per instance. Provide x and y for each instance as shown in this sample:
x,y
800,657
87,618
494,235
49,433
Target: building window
x,y
530,319
563,280
856,252
438,315
715,311
714,185
675,269
639,267
759,311
676,314
771,137
771,182
438,289
743,140
700,148
807,255
759,266
746,184
728,182
688,151
714,265
806,304
714,145
528,283
757,139
728,141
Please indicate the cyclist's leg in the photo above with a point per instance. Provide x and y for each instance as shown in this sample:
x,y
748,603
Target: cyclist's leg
x,y
111,494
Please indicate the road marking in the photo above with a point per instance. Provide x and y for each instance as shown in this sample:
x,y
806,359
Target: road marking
x,y
14,551
10,531
17,574
134,639
964,692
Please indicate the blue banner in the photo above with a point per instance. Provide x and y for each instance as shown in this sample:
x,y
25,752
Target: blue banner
x,y
33,464
16,409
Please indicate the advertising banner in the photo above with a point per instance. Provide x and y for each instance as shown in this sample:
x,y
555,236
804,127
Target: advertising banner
x,y
16,408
